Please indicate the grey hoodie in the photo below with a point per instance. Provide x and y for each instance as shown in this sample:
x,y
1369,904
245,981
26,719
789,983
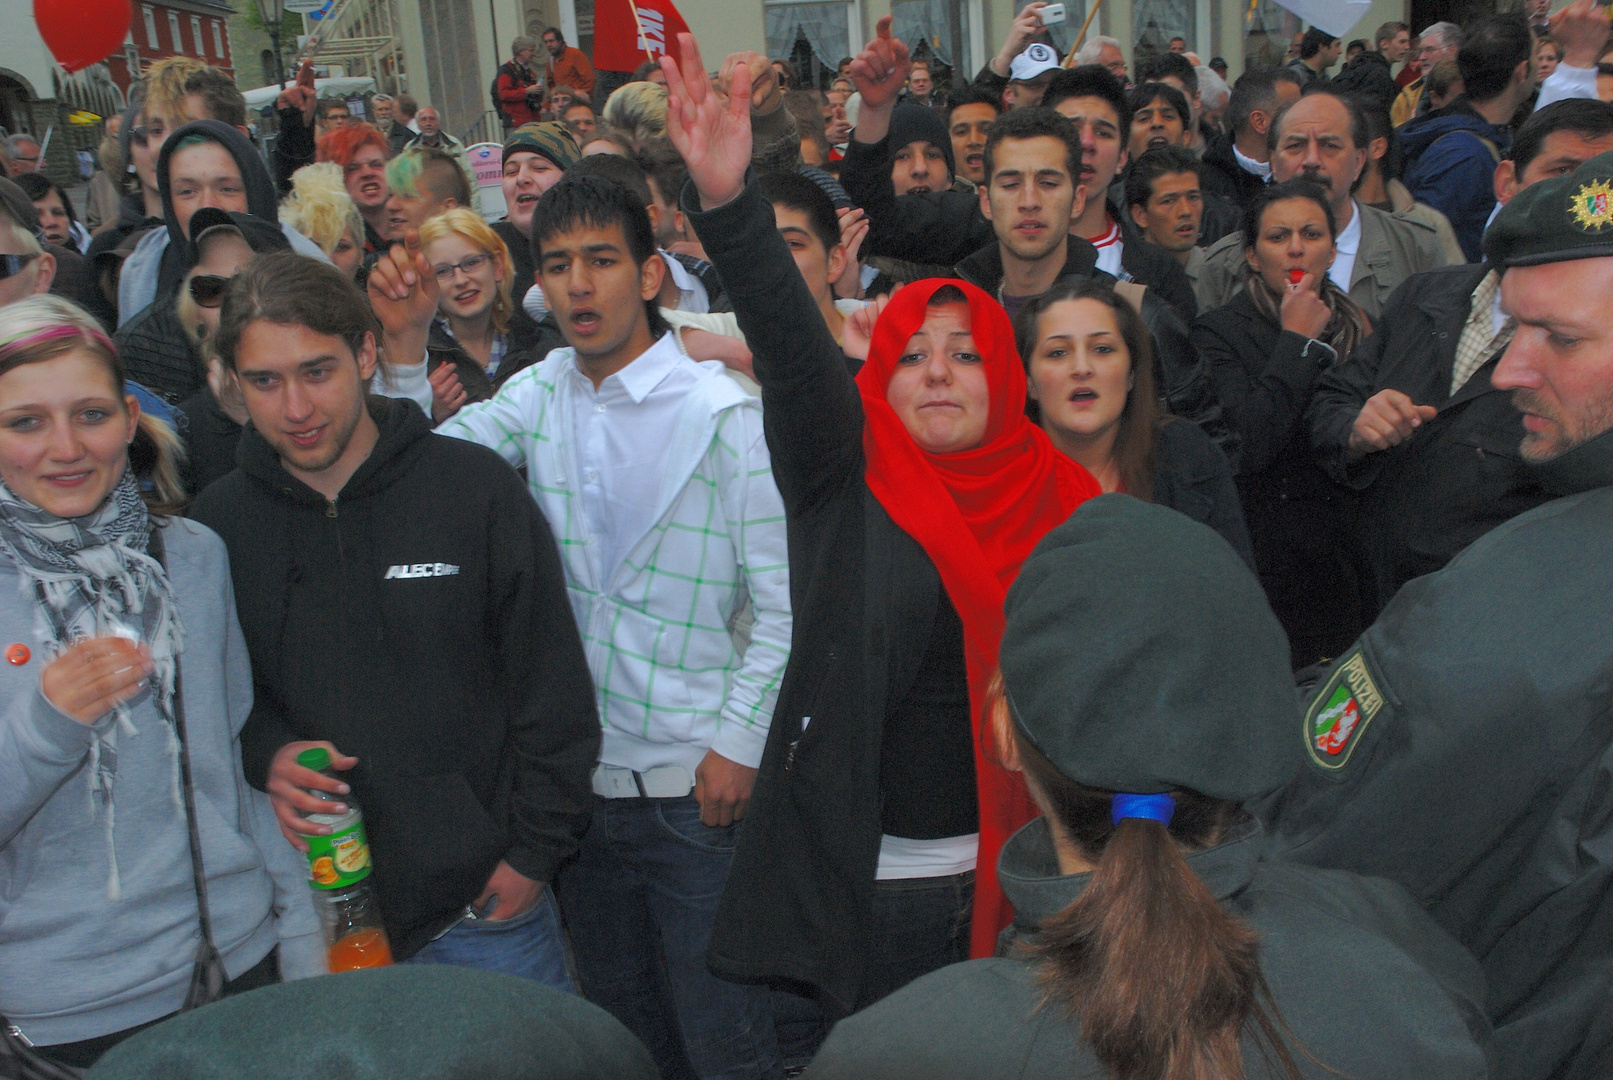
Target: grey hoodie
x,y
74,963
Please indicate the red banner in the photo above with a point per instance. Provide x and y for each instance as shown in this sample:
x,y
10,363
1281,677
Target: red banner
x,y
629,32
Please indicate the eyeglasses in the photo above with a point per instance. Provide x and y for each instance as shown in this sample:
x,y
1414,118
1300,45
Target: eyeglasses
x,y
469,264
13,264
208,290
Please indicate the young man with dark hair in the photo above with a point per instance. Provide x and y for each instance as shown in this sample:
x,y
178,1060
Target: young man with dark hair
x,y
972,111
1371,73
1176,70
1159,117
405,609
1323,138
1451,153
1242,155
212,94
811,229
1318,51
654,472
1093,100
1165,199
1394,418
921,150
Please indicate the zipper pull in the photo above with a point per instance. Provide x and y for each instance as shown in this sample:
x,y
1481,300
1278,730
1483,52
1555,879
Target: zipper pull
x,y
330,508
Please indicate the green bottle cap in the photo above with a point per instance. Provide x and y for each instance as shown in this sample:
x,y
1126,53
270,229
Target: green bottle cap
x,y
316,759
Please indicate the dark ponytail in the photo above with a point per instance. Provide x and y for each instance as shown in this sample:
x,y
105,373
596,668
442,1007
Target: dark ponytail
x,y
1164,980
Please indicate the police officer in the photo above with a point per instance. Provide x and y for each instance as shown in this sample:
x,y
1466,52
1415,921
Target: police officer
x,y
1148,687
1464,746
422,1021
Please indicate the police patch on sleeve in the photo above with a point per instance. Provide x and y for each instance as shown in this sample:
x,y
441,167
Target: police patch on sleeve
x,y
1339,714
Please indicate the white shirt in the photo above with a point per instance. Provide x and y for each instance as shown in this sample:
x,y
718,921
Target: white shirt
x,y
621,432
406,381
1349,243
1249,165
1110,250
1567,82
691,293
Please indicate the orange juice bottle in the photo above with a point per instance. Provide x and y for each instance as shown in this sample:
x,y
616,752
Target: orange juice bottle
x,y
338,871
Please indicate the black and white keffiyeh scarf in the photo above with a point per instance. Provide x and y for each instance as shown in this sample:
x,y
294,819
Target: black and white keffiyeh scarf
x,y
92,577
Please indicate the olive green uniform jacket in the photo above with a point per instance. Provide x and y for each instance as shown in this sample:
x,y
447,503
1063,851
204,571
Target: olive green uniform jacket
x,y
1464,748
1367,984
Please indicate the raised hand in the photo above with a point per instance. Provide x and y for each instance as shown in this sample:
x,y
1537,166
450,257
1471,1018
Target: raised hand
x,y
880,71
853,231
404,294
1581,29
711,133
858,333
764,87
300,94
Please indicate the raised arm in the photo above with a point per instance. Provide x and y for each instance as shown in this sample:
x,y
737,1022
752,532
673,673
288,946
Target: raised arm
x,y
813,414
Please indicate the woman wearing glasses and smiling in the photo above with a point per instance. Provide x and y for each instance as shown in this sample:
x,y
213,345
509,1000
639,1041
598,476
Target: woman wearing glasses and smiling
x,y
471,333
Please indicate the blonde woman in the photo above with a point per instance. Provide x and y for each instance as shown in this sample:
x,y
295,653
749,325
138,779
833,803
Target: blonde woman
x,y
638,111
320,209
472,328
110,594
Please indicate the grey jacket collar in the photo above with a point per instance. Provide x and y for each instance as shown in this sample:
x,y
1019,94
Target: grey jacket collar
x,y
1028,870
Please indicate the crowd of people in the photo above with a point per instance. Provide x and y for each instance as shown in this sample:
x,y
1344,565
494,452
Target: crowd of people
x,y
1085,571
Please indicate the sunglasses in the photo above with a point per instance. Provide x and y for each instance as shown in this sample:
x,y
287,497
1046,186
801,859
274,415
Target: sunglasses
x,y
13,264
208,290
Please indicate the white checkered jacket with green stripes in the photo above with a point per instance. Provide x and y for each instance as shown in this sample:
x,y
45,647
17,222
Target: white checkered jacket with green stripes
x,y
670,679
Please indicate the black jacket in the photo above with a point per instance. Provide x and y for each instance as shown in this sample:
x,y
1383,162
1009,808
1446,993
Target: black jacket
x,y
211,439
798,906
419,622
1477,771
1372,77
1297,515
1218,157
1150,265
1184,384
1459,475
158,355
1192,477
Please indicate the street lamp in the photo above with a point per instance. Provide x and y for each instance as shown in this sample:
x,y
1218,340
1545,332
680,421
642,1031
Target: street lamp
x,y
274,13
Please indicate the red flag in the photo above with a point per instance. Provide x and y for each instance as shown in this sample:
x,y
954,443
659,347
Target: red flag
x,y
629,32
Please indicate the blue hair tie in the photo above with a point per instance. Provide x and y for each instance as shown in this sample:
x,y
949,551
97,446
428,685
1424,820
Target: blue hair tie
x,y
1158,808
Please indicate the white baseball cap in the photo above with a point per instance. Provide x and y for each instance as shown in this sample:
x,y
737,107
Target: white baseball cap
x,y
1036,59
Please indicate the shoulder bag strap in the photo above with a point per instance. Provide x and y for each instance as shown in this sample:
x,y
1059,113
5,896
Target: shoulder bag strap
x,y
208,976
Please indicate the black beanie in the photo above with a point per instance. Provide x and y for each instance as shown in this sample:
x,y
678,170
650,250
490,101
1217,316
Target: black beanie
x,y
1140,655
911,122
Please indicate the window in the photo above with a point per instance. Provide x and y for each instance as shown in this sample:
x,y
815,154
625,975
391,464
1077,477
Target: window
x,y
173,31
1155,22
821,31
937,31
218,40
151,26
196,36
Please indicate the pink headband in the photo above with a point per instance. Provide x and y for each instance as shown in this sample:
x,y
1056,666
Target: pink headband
x,y
28,339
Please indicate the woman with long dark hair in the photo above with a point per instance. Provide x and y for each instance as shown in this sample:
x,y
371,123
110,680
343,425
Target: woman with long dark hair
x,y
128,834
1090,364
912,494
1266,349
1146,696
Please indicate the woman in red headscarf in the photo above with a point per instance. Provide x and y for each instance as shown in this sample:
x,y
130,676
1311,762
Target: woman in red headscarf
x,y
913,493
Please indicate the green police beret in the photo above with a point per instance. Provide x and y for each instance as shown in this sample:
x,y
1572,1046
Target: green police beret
x,y
551,138
422,1021
1566,217
1140,655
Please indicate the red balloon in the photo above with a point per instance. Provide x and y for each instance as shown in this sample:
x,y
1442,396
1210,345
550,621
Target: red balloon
x,y
82,32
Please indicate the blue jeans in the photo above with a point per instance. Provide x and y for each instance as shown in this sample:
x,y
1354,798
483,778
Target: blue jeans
x,y
532,946
920,925
639,901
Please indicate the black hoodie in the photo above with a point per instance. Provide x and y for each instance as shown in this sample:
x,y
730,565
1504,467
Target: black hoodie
x,y
419,622
180,255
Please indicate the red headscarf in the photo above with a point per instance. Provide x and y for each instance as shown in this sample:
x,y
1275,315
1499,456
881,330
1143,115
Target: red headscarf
x,y
977,513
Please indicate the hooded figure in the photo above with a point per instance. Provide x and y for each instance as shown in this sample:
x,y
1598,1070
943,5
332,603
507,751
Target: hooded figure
x,y
911,122
156,350
157,266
